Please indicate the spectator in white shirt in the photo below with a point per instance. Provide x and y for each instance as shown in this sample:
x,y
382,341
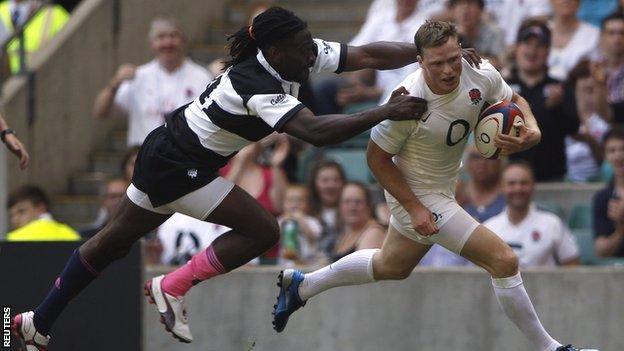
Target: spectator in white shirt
x,y
539,238
147,92
572,39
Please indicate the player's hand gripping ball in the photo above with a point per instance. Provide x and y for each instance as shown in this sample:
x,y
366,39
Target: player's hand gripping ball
x,y
503,117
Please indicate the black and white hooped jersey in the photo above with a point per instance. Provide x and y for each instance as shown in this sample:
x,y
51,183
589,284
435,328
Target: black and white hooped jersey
x,y
250,101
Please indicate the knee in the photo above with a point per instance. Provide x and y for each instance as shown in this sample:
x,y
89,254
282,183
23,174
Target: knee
x,y
271,233
505,264
388,270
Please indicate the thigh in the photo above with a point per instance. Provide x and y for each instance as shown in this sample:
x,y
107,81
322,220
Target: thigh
x,y
484,247
455,231
401,252
241,212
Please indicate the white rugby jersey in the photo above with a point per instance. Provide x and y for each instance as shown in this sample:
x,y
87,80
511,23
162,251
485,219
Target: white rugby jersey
x,y
250,100
541,239
429,151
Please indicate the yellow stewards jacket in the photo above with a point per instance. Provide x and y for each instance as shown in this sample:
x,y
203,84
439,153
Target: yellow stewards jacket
x,y
43,229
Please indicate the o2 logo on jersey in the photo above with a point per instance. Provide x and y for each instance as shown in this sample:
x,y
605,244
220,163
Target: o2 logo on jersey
x,y
458,129
475,96
278,100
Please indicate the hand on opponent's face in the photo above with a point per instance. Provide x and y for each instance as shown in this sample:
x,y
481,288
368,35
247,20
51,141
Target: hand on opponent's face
x,y
405,107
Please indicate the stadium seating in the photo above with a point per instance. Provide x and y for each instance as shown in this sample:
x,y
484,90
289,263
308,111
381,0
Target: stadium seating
x,y
580,216
585,241
354,163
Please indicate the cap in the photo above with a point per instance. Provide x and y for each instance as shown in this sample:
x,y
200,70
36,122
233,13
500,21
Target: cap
x,y
541,32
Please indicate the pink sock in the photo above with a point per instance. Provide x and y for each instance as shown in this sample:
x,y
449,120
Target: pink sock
x,y
202,266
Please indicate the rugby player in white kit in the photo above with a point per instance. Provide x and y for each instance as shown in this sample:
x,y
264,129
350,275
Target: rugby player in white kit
x,y
417,163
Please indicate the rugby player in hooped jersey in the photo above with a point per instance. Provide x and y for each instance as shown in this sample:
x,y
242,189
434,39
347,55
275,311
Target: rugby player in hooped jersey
x,y
424,156
176,169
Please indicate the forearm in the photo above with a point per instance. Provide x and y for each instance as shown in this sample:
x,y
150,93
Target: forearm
x,y
607,246
105,100
389,176
279,187
3,124
384,55
529,117
332,129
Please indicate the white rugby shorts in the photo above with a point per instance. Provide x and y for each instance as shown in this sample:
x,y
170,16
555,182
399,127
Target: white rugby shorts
x,y
455,225
198,204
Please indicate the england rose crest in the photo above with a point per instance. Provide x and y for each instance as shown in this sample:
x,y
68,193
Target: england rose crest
x,y
475,96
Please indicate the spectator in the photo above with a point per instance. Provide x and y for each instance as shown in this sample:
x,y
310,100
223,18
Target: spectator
x,y
398,22
538,237
571,39
13,144
608,204
358,228
258,170
38,32
509,14
146,93
29,214
483,200
610,66
594,11
583,150
115,190
546,96
302,248
325,185
487,38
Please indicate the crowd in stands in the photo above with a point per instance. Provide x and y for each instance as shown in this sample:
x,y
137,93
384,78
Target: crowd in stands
x,y
566,57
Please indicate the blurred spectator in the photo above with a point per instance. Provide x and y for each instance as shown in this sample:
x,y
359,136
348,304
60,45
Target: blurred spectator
x,y
486,37
594,11
181,237
531,80
325,184
146,93
609,68
300,231
13,144
538,237
483,200
257,169
398,22
509,14
583,150
608,204
38,32
358,228
29,214
571,39
115,190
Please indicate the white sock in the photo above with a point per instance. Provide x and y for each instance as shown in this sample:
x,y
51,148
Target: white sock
x,y
517,305
353,269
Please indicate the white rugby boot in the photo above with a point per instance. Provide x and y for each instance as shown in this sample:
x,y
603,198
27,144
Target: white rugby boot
x,y
171,309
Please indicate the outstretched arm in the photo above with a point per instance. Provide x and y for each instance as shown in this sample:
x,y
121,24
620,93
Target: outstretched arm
x,y
383,55
332,129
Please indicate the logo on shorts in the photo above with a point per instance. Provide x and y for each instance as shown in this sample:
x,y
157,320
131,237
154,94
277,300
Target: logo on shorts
x,y
279,99
475,96
436,216
192,173
326,48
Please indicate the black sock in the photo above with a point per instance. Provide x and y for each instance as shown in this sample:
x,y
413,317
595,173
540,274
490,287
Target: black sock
x,y
76,275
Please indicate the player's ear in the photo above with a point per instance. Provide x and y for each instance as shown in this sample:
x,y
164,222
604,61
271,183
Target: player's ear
x,y
419,59
275,53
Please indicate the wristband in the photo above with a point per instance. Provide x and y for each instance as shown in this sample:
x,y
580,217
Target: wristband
x,y
4,133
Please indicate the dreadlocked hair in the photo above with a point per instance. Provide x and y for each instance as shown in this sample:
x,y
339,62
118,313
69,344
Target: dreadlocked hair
x,y
267,28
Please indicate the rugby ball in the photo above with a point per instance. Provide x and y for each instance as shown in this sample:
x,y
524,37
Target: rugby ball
x,y
503,117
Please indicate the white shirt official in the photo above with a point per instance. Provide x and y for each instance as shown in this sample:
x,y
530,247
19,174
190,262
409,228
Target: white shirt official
x,y
541,239
154,92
